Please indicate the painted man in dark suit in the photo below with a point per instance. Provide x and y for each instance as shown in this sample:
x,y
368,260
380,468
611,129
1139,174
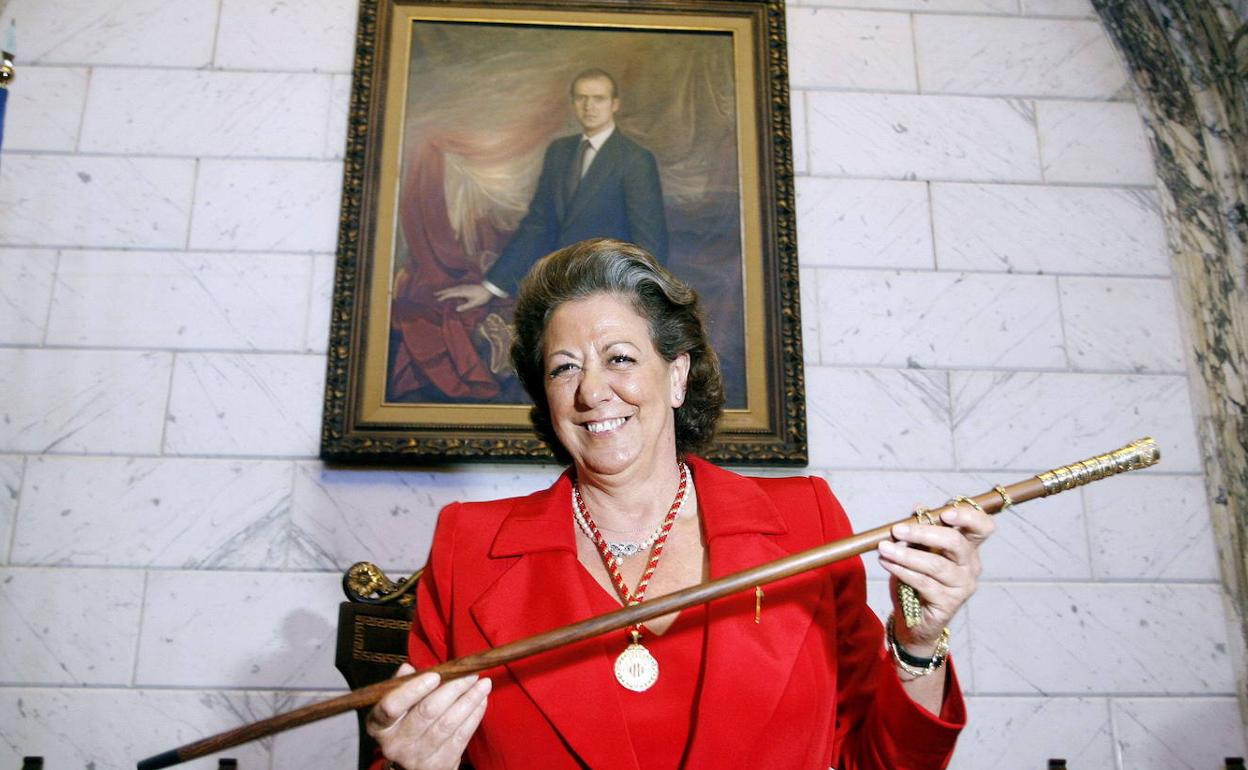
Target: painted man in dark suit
x,y
598,183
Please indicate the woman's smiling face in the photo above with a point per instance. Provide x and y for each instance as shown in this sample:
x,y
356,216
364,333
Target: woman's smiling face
x,y
610,392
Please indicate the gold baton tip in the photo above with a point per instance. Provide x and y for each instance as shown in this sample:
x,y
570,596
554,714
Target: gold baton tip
x,y
1141,453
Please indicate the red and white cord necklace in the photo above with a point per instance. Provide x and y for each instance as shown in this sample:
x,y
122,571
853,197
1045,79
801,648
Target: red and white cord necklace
x,y
635,668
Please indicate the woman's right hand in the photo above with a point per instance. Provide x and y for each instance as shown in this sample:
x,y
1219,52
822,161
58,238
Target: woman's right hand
x,y
425,725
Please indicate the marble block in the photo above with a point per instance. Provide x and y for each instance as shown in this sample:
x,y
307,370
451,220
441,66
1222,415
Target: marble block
x,y
56,200
388,517
320,304
1016,57
899,136
1042,229
797,123
874,498
925,319
1152,528
810,315
196,514
266,205
102,402
330,743
1122,324
317,36
25,294
1042,541
1083,638
1081,9
1042,420
144,32
206,114
68,626
863,223
1027,732
1177,733
1094,143
257,404
282,628
181,300
44,111
938,6
383,517
114,728
850,50
339,113
11,467
878,418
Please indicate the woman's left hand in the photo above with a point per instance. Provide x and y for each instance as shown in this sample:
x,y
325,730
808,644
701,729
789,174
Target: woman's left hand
x,y
944,575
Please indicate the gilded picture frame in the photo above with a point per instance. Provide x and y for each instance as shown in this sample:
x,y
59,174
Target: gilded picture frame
x,y
457,111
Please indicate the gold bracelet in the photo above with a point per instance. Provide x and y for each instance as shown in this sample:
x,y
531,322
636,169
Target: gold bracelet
x,y
928,665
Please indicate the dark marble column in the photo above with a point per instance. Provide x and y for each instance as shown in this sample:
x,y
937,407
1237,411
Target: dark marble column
x,y
1189,63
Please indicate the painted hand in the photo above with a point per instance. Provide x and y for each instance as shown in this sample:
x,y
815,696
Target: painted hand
x,y
474,295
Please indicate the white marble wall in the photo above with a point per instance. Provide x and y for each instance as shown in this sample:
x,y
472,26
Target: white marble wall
x,y
985,288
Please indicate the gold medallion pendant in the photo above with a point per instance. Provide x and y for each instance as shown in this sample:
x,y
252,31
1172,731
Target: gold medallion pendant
x,y
635,668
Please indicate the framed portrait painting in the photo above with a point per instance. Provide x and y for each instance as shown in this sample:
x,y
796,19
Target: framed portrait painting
x,y
484,135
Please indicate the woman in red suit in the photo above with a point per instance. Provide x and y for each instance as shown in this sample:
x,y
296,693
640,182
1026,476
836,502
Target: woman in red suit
x,y
800,674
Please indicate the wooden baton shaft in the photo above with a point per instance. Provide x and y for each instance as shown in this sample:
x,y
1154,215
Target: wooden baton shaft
x,y
1139,454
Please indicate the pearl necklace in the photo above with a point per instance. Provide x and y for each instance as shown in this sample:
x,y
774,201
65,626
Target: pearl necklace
x,y
624,549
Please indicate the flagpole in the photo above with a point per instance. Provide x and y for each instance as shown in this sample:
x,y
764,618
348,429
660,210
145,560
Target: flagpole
x,y
7,71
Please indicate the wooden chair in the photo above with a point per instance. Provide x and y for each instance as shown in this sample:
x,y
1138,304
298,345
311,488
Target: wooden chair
x,y
372,633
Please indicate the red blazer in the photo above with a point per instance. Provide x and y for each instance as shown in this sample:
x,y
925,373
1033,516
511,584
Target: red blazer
x,y
808,687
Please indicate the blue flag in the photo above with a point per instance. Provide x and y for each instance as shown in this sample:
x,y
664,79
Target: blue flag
x,y
4,97
7,49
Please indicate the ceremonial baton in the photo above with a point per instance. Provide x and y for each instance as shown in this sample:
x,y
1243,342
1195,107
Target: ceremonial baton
x,y
1138,454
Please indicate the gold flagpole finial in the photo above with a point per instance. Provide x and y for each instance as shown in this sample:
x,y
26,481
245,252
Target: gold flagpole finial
x,y
7,70
7,55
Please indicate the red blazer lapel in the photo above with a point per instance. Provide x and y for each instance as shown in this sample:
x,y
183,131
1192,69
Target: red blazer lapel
x,y
748,664
539,531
